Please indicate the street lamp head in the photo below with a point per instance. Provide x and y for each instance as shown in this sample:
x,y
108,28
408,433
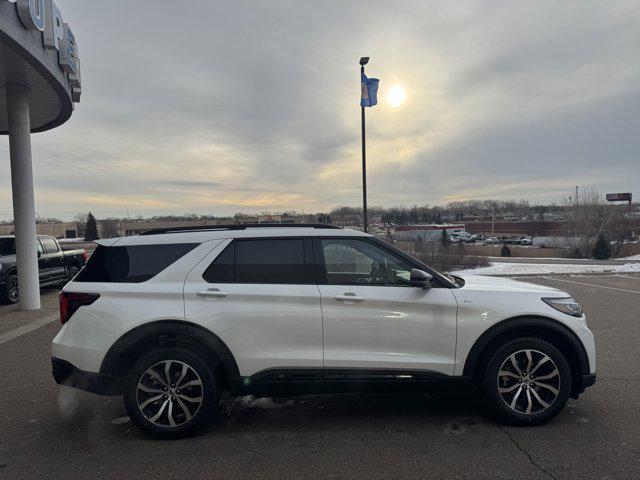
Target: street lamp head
x,y
364,60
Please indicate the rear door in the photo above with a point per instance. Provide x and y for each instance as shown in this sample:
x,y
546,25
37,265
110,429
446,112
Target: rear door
x,y
43,263
374,320
259,296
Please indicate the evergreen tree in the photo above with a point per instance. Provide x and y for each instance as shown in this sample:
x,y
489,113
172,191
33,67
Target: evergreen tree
x,y
602,249
91,231
444,239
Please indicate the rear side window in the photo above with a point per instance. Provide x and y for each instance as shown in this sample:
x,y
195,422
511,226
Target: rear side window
x,y
132,264
259,261
50,245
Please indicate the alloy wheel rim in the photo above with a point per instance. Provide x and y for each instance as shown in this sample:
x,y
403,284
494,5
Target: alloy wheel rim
x,y
13,291
169,393
528,381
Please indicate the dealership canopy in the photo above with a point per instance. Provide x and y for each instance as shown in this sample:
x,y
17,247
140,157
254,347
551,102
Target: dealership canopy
x,y
39,84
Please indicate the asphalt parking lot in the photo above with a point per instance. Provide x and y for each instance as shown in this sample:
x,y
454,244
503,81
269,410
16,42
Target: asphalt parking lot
x,y
49,432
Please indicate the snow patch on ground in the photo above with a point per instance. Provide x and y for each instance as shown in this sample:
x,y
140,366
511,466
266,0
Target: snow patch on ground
x,y
632,257
547,268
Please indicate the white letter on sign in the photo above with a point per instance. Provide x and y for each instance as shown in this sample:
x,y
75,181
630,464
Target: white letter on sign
x,y
32,14
54,28
68,55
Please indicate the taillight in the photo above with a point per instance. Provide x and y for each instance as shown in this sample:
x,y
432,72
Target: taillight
x,y
71,301
85,256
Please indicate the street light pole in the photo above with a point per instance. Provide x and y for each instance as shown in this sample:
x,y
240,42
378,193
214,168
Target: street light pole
x,y
365,220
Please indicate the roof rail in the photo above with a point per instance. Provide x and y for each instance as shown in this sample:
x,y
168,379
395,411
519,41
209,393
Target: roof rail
x,y
237,226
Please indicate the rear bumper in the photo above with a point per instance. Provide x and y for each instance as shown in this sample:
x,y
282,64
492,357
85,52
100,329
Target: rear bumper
x,y
588,380
67,374
584,381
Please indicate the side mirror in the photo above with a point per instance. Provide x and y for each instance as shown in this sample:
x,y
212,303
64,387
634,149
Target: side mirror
x,y
420,278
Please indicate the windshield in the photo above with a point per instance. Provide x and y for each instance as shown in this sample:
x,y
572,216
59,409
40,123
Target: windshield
x,y
7,246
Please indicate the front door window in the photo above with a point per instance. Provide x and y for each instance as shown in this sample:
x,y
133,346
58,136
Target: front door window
x,y
357,262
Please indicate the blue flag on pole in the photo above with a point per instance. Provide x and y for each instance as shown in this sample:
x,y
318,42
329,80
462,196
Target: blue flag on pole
x,y
369,87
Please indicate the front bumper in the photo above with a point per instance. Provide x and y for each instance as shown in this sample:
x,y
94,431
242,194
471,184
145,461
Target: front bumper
x,y
67,374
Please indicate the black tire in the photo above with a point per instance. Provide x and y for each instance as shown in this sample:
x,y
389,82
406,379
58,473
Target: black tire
x,y
175,399
9,293
72,271
553,396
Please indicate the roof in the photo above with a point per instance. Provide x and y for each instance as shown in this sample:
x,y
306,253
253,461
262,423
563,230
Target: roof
x,y
200,236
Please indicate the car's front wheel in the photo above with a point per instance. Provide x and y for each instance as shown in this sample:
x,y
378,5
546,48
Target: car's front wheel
x,y
527,381
170,393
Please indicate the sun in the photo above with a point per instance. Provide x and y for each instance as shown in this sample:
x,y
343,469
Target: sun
x,y
396,95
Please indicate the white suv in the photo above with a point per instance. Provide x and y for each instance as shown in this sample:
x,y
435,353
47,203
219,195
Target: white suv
x,y
170,318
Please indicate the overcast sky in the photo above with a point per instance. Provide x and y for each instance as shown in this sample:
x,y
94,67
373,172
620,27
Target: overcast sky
x,y
218,107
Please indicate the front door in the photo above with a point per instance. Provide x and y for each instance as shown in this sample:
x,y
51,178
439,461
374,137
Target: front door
x,y
259,296
373,319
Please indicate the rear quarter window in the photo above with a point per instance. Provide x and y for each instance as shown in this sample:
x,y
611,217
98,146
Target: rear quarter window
x,y
131,264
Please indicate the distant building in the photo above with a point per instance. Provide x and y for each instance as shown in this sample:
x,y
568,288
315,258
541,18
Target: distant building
x,y
426,233
58,230
350,220
532,229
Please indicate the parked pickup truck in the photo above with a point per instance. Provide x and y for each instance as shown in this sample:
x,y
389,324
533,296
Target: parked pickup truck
x,y
55,265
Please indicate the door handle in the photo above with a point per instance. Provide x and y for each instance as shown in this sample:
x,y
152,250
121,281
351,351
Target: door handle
x,y
349,297
212,293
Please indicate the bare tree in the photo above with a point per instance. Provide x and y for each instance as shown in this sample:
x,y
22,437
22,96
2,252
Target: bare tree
x,y
109,228
589,215
619,227
81,223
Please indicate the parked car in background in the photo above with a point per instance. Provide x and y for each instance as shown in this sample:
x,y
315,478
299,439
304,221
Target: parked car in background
x,y
475,238
462,237
526,241
493,240
56,266
171,318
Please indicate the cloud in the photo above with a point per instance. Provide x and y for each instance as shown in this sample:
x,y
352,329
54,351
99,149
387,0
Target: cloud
x,y
213,107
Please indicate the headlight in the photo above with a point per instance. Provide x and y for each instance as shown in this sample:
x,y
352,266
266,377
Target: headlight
x,y
565,305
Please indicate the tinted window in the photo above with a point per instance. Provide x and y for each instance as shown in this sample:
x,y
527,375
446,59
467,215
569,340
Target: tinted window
x,y
221,270
259,261
50,245
7,246
350,262
132,264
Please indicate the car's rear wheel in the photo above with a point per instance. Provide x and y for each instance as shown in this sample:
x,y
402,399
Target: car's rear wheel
x,y
170,393
72,271
527,381
9,293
